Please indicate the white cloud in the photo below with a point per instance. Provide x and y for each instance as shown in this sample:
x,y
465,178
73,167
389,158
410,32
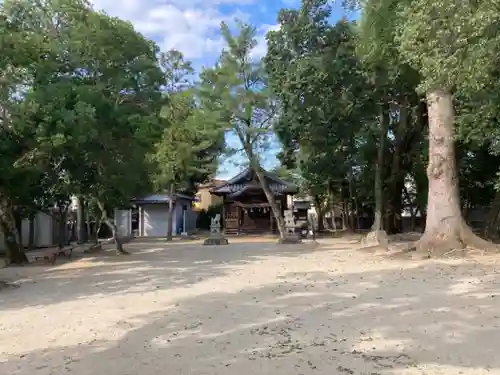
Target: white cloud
x,y
191,26
261,49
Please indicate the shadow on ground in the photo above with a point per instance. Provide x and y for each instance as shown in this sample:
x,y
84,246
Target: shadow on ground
x,y
431,318
150,266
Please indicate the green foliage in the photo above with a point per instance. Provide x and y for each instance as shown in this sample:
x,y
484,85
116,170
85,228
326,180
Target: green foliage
x,y
452,44
84,111
81,107
236,91
188,149
89,106
316,74
92,96
204,218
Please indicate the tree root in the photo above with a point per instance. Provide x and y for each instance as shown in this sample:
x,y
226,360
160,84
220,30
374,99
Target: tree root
x,y
374,241
458,242
375,238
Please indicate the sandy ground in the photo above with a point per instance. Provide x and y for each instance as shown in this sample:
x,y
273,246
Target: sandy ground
x,y
251,308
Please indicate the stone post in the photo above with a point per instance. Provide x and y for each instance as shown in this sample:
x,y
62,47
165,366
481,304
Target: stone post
x,y
216,236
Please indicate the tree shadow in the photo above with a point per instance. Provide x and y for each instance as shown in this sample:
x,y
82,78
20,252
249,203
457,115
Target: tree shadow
x,y
151,266
426,318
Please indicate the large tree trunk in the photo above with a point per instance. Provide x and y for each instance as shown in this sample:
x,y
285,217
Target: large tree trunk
x,y
62,222
170,218
321,213
342,217
377,234
347,218
272,202
445,228
116,238
331,206
80,221
114,230
15,252
413,207
395,201
393,223
353,207
344,194
379,188
89,225
98,225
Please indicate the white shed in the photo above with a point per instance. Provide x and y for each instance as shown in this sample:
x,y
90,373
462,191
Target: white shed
x,y
45,232
44,228
153,216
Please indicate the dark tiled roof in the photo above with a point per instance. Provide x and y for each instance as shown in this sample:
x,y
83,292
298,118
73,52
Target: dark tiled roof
x,y
243,180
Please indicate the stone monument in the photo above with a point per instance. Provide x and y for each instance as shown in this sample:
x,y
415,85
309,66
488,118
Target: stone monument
x,y
291,236
216,237
289,222
312,219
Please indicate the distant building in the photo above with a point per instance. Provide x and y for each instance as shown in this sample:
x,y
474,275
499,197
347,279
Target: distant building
x,y
246,208
45,231
204,199
148,216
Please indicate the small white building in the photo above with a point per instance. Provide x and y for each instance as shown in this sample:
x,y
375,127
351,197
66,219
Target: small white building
x,y
45,228
149,216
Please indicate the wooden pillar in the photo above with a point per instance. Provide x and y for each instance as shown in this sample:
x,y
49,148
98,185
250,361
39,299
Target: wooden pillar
x,y
184,221
140,222
238,216
223,216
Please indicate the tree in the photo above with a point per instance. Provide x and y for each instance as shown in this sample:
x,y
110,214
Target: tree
x,y
316,75
451,44
173,150
91,107
123,86
188,149
236,89
478,114
183,151
393,84
17,182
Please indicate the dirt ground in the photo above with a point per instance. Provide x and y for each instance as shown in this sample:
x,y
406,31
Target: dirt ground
x,y
252,308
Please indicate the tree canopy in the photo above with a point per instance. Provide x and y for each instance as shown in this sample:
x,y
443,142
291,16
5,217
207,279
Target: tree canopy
x,y
83,98
352,93
391,119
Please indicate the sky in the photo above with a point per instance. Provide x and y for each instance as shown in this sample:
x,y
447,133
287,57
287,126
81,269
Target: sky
x,y
192,27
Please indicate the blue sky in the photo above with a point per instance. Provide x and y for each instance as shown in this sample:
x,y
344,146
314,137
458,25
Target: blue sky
x,y
192,26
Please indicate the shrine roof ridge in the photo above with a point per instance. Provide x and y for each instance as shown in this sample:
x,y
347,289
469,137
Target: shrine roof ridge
x,y
243,177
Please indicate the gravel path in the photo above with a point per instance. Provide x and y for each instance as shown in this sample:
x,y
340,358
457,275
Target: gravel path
x,y
254,308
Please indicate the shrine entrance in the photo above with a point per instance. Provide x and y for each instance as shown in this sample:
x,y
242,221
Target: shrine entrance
x,y
245,206
256,217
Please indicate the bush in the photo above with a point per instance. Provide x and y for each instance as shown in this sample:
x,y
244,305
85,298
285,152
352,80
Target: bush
x,y
205,216
203,220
